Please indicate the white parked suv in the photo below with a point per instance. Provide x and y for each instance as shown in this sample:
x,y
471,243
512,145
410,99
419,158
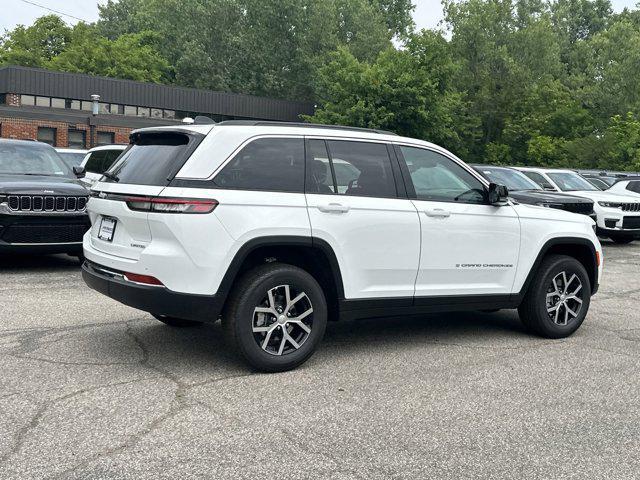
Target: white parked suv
x,y
617,212
277,228
98,160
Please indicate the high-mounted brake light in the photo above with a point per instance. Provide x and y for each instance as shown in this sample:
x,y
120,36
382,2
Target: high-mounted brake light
x,y
172,205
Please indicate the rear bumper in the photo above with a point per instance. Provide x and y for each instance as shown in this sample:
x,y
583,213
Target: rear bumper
x,y
153,299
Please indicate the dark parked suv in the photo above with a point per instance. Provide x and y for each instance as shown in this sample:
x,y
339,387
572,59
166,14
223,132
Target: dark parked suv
x,y
524,190
42,203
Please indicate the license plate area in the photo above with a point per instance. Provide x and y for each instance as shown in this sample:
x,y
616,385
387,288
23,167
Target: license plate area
x,y
107,229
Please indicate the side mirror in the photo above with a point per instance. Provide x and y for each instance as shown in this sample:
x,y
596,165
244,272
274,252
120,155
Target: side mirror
x,y
498,194
79,172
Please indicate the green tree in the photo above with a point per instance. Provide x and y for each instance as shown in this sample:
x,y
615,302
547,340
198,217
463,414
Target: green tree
x,y
264,47
131,56
405,91
35,45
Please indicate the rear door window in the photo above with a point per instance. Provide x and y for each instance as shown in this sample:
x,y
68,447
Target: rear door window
x,y
153,158
266,164
362,169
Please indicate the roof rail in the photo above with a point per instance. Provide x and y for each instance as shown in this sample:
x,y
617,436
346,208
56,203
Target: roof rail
x,y
265,123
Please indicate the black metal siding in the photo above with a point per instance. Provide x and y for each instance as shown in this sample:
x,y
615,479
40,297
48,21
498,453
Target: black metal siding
x,y
35,81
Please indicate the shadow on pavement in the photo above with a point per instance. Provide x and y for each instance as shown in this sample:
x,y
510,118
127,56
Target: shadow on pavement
x,y
25,263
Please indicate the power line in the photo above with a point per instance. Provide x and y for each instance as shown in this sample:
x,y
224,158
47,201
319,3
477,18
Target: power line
x,y
54,11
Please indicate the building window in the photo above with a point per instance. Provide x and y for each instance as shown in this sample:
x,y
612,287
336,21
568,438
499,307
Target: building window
x,y
43,102
156,113
47,135
58,103
72,104
106,138
3,98
87,105
169,114
130,110
119,109
77,139
143,112
104,108
27,100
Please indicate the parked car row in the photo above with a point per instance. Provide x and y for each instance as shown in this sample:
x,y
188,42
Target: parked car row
x,y
616,210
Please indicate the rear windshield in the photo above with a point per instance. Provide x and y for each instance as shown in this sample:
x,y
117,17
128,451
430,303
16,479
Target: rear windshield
x,y
152,158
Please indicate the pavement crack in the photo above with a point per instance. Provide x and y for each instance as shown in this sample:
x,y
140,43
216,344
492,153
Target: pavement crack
x,y
22,434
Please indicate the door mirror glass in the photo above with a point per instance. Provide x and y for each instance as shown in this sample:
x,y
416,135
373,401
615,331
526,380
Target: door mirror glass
x,y
498,194
79,171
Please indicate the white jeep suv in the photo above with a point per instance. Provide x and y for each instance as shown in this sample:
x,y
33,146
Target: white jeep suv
x,y
618,214
277,228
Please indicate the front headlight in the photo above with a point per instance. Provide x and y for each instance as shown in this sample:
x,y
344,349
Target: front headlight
x,y
609,204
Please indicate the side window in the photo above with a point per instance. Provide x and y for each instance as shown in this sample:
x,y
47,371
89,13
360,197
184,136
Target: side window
x,y
539,179
440,179
319,173
95,162
109,158
362,169
634,186
270,164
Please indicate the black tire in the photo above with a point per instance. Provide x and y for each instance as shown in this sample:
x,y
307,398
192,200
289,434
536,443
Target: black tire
x,y
622,240
249,293
176,322
534,308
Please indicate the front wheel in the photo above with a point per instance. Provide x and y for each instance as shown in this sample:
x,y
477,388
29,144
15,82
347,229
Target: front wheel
x,y
558,299
276,317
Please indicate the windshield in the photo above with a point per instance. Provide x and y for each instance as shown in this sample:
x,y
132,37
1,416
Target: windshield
x,y
512,179
31,159
73,159
570,182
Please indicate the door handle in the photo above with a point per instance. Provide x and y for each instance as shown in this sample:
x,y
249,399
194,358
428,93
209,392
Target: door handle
x,y
437,212
333,208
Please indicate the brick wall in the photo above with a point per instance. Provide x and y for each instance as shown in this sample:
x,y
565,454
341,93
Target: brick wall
x,y
13,99
23,129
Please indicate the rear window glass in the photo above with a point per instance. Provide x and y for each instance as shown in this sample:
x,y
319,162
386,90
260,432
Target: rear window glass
x,y
268,164
152,159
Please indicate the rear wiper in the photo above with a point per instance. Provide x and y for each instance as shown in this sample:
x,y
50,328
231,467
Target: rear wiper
x,y
111,176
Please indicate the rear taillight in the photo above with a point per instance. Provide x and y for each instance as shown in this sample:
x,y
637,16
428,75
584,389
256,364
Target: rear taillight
x,y
145,279
171,205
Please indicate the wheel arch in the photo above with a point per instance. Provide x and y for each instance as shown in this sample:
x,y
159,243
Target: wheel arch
x,y
581,249
312,254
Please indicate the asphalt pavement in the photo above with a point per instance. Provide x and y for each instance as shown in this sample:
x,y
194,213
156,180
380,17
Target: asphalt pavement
x,y
91,389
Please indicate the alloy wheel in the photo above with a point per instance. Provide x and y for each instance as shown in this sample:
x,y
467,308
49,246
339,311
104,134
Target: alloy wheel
x,y
283,320
564,298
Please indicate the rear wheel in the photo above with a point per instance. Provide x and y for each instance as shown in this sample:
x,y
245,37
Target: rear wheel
x,y
276,317
558,299
176,322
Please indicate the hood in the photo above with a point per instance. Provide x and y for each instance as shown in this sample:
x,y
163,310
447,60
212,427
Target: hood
x,y
605,196
538,196
40,185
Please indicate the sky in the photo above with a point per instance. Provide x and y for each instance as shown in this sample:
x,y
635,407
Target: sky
x,y
428,13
